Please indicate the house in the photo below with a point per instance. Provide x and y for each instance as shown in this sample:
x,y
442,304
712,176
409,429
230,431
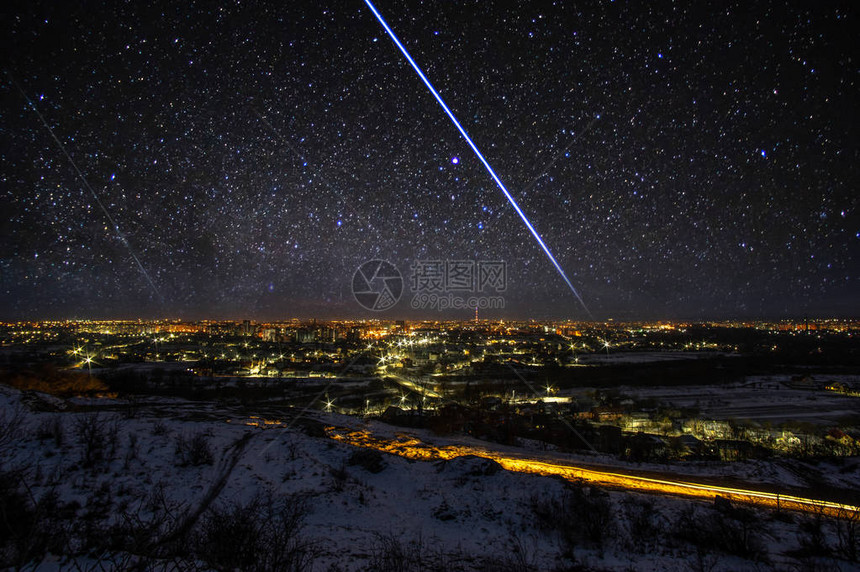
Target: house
x,y
607,413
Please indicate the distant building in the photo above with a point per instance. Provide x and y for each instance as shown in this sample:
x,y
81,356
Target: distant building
x,y
246,329
305,336
269,335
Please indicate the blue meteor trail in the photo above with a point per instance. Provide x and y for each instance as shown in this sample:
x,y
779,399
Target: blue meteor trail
x,y
477,152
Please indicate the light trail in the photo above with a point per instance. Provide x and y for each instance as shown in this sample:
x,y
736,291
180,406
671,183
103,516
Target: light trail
x,y
86,183
283,139
559,155
411,448
478,154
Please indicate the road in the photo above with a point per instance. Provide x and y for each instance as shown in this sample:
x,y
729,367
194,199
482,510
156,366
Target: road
x,y
667,483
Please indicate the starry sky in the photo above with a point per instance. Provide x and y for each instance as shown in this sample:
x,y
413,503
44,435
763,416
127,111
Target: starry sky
x,y
682,160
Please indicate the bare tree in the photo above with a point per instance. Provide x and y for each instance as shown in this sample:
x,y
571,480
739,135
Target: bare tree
x,y
847,524
91,432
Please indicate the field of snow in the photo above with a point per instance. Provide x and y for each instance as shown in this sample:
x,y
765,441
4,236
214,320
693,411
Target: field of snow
x,y
619,358
147,476
763,399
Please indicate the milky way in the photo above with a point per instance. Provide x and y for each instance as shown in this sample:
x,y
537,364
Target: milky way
x,y
680,161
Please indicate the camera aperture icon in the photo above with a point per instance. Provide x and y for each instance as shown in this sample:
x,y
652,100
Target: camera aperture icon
x,y
377,285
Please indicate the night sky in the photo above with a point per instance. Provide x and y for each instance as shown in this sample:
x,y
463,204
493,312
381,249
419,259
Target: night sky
x,y
680,160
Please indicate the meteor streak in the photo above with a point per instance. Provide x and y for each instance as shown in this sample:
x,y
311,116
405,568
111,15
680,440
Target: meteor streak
x,y
86,183
477,152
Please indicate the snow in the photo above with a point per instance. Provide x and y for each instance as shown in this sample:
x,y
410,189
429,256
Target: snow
x,y
465,511
646,357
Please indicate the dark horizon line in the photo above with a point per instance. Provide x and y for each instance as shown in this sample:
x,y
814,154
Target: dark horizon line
x,y
386,318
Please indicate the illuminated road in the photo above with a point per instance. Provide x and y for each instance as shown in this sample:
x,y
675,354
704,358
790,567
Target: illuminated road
x,y
412,448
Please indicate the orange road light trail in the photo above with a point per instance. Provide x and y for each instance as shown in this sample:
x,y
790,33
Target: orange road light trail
x,y
412,448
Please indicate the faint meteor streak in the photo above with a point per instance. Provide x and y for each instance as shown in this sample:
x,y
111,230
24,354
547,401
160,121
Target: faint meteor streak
x,y
558,156
477,153
283,139
86,183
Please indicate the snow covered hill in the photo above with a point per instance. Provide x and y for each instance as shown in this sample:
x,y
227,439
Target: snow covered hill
x,y
167,484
